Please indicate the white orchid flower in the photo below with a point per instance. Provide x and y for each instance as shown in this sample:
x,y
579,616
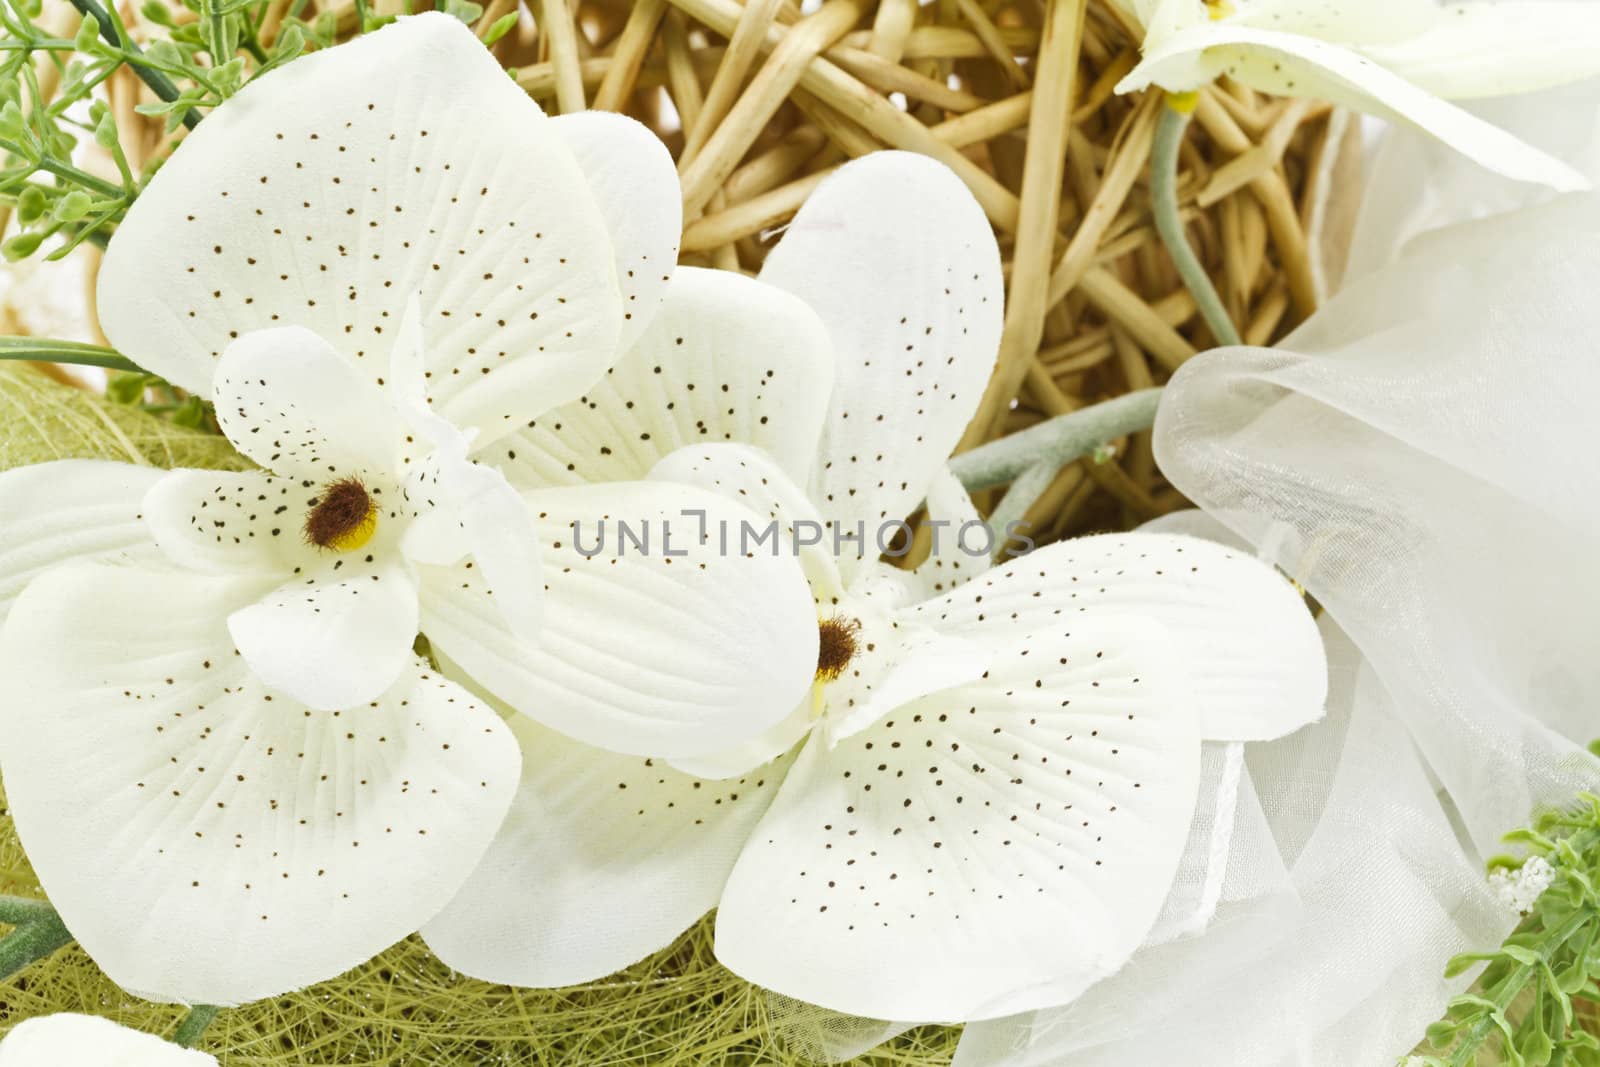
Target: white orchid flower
x,y
69,1040
998,768
231,771
1400,59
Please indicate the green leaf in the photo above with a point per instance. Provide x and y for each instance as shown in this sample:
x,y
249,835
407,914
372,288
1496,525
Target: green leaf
x,y
291,42
88,35
501,27
11,121
41,420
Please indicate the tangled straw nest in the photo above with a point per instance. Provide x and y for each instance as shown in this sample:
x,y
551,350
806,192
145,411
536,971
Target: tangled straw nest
x,y
759,102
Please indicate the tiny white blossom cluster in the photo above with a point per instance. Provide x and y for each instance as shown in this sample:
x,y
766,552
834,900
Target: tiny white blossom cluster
x,y
1521,887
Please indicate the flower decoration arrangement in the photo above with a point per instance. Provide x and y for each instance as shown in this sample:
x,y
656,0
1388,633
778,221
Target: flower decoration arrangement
x,y
485,562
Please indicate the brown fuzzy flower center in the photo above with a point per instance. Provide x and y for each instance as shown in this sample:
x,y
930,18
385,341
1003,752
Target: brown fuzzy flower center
x,y
836,647
343,517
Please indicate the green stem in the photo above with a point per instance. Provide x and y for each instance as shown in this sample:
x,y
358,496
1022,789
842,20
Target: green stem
x,y
1013,507
1508,989
1057,442
194,1024
38,350
38,932
1169,224
158,82
66,171
20,911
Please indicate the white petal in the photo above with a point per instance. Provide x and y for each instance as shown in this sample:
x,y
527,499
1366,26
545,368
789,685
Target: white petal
x,y
1238,630
635,183
326,193
335,637
897,257
1293,65
788,522
961,545
982,851
775,741
1353,22
1498,48
227,522
603,860
500,534
1453,50
726,359
158,787
908,662
69,1040
672,651
474,511
52,513
292,404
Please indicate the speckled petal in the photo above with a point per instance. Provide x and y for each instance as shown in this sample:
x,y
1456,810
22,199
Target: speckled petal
x,y
230,522
335,636
53,513
672,650
293,405
69,1040
603,860
984,850
727,359
327,192
1238,630
635,183
897,258
158,787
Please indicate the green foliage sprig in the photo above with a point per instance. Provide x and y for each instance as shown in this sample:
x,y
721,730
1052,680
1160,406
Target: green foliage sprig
x,y
1522,1011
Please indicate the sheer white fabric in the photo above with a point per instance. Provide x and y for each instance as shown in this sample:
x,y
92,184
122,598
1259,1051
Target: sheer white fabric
x,y
1419,456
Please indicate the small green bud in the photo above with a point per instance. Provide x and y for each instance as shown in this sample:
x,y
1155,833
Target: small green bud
x,y
291,42
88,35
105,132
229,76
21,246
155,11
464,10
30,204
33,8
501,27
74,206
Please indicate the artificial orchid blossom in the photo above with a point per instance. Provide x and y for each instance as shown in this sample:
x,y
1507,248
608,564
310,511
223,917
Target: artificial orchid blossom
x,y
1400,59
231,771
980,806
70,1040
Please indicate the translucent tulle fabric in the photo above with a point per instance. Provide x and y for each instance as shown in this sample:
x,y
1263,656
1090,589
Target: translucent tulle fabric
x,y
1420,455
